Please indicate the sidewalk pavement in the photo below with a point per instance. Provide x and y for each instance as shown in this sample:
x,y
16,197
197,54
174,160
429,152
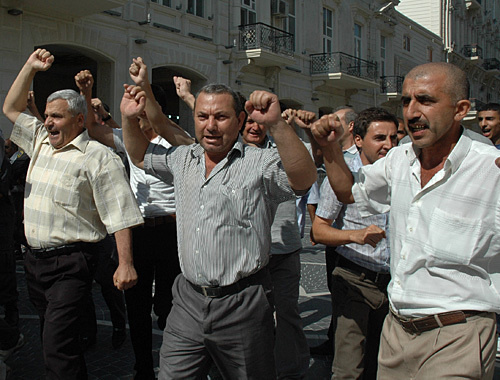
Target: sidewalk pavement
x,y
105,363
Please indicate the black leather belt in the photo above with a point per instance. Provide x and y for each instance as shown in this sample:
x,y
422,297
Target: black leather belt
x,y
159,220
45,253
221,291
376,277
420,325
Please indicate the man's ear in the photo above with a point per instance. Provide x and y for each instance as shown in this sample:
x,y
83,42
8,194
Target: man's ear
x,y
358,141
461,109
351,126
80,120
241,119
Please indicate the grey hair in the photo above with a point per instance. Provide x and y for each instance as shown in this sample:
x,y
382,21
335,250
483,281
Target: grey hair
x,y
76,102
217,88
350,116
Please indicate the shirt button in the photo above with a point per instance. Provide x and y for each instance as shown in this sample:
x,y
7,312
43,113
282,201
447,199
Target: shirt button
x,y
410,229
202,207
232,191
198,229
196,251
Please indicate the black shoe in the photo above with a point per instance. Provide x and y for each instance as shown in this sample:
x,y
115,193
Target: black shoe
x,y
325,348
118,337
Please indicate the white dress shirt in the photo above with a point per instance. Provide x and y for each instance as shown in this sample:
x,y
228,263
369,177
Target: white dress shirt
x,y
445,237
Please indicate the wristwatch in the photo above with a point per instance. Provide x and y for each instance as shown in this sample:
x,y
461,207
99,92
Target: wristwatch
x,y
106,118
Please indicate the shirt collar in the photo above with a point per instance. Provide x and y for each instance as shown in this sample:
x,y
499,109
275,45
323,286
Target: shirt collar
x,y
197,150
456,156
80,142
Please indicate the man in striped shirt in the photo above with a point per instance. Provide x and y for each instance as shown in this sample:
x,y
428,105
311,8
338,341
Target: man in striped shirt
x,y
227,194
76,193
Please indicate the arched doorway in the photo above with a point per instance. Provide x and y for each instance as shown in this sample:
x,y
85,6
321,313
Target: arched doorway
x,y
68,61
172,106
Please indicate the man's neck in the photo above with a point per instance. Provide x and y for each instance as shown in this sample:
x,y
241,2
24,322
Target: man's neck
x,y
347,144
432,158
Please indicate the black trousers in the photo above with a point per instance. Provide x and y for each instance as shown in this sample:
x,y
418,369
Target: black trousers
x,y
57,287
106,267
155,259
9,332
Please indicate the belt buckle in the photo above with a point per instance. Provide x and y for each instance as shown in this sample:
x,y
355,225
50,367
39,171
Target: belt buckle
x,y
206,294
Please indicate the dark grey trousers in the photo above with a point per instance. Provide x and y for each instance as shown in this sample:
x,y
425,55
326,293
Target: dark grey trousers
x,y
236,332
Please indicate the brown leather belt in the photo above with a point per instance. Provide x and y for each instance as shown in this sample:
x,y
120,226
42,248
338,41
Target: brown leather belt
x,y
420,325
159,220
221,291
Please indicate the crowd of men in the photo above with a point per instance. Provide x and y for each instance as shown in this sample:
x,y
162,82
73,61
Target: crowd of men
x,y
412,230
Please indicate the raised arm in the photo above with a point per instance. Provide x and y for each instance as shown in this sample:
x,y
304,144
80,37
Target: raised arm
x,y
17,97
132,105
304,120
263,107
183,89
102,133
323,232
162,125
327,132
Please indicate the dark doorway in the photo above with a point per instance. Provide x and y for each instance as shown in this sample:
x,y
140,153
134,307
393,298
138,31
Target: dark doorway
x,y
68,61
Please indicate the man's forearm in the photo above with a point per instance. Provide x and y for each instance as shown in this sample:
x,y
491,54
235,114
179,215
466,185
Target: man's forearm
x,y
339,175
162,125
16,100
136,143
125,276
124,246
296,160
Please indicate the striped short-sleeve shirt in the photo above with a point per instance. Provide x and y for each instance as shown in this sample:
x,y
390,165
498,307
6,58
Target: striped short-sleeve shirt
x,y
223,221
77,193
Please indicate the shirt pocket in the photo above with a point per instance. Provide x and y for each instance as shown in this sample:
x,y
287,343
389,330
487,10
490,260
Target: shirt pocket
x,y
67,191
453,238
235,206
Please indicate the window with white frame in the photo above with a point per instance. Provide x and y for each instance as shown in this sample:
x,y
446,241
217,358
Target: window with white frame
x,y
327,30
406,42
382,55
248,13
357,40
196,7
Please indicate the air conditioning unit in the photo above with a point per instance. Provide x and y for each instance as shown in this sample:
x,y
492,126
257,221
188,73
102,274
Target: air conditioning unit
x,y
279,8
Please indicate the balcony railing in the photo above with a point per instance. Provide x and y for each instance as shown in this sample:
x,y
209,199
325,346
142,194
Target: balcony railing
x,y
262,36
491,64
391,84
343,63
472,51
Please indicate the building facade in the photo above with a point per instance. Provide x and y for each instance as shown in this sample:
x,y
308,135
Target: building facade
x,y
314,54
471,40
